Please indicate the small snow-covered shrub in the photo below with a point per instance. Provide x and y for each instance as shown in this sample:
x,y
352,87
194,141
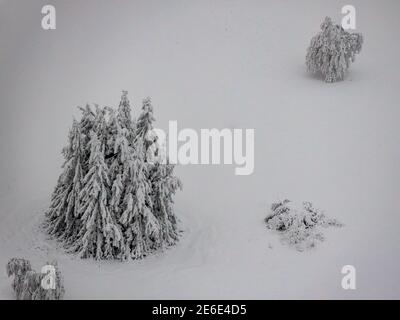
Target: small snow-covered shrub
x,y
332,50
27,284
114,198
300,226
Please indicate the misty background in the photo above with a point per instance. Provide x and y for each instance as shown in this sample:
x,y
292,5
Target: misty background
x,y
223,64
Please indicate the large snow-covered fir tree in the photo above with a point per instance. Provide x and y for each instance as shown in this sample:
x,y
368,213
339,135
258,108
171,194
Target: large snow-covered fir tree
x,y
114,199
332,50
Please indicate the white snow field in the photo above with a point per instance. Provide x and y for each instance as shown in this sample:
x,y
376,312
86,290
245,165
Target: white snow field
x,y
206,64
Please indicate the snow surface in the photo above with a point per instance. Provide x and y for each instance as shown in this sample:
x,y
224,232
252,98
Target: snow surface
x,y
236,64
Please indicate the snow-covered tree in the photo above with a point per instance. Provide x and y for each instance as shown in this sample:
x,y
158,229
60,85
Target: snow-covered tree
x,y
100,127
332,50
144,125
121,132
87,120
140,225
124,112
299,225
111,201
27,284
62,214
165,185
100,236
122,153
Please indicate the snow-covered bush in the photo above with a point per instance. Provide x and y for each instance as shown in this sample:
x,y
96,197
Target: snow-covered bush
x,y
27,284
111,201
299,226
332,50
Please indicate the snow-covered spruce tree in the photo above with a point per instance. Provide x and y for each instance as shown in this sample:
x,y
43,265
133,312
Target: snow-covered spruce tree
x,y
332,50
123,201
27,284
144,125
118,168
100,236
141,227
120,143
145,229
63,211
165,184
62,221
124,116
160,173
120,119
